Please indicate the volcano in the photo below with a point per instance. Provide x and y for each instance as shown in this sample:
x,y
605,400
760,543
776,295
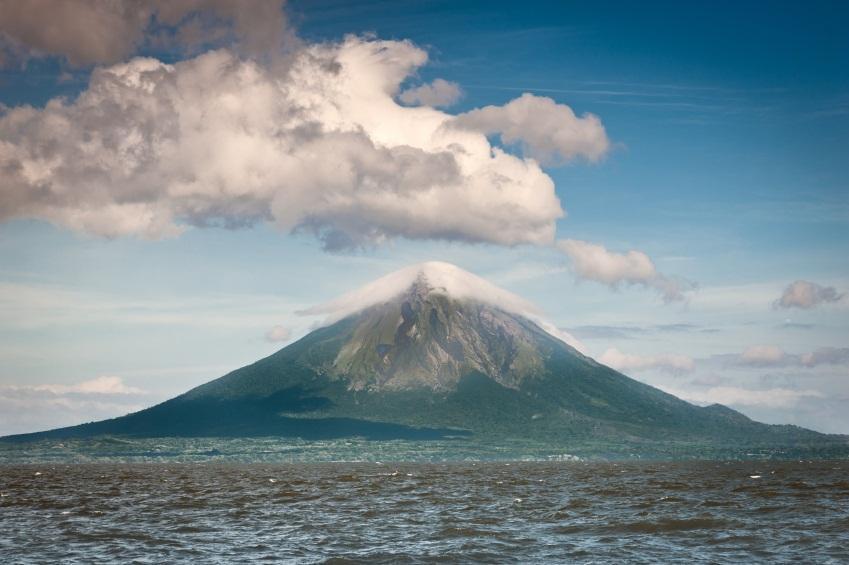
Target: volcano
x,y
434,352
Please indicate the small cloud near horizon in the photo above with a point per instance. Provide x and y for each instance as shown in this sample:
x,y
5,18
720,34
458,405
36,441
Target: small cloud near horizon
x,y
668,362
278,334
28,408
807,295
592,261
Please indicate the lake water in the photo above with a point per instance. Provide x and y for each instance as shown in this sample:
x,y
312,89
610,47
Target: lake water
x,y
214,512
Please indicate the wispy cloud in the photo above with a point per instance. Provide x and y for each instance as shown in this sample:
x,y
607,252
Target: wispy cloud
x,y
806,295
26,408
591,261
634,332
737,396
678,99
99,385
668,362
774,356
762,355
38,306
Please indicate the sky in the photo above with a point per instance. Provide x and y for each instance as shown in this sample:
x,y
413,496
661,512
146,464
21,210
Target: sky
x,y
668,182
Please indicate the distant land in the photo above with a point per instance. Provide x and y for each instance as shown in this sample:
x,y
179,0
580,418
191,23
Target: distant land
x,y
433,353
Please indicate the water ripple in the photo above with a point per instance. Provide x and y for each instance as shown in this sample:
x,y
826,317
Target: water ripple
x,y
425,512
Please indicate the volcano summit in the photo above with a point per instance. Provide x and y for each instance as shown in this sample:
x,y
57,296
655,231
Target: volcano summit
x,y
431,352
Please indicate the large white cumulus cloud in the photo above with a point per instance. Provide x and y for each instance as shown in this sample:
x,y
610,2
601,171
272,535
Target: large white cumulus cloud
x,y
318,145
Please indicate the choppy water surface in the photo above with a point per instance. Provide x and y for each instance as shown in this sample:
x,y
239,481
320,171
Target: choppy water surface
x,y
425,512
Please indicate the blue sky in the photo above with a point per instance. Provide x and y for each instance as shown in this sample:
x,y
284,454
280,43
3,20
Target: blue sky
x,y
728,128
